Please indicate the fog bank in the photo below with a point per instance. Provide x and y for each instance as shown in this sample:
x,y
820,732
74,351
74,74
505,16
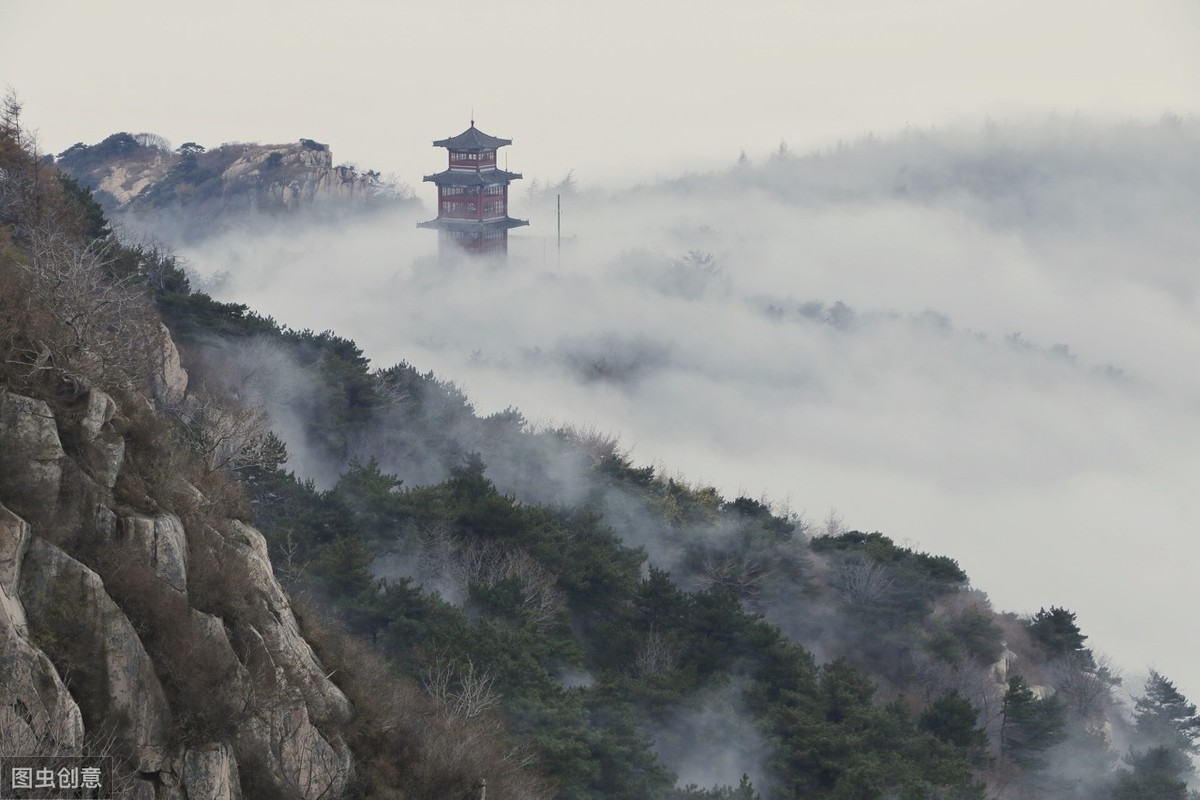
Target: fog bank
x,y
977,341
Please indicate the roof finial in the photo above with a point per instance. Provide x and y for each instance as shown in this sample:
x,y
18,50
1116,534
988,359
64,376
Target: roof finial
x,y
472,116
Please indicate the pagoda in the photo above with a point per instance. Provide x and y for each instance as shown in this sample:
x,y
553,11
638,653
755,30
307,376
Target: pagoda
x,y
473,196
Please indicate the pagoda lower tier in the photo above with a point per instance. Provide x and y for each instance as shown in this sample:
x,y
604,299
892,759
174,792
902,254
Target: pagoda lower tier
x,y
477,237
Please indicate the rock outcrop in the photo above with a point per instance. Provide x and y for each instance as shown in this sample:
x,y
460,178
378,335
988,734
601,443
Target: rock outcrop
x,y
31,455
169,382
138,176
291,696
159,543
88,633
160,635
103,447
37,714
210,773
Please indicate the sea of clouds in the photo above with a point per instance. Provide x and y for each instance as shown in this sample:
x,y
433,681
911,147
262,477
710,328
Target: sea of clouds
x,y
981,342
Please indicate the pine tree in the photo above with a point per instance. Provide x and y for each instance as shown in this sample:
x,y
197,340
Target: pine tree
x,y
953,719
1056,631
1163,716
1030,726
1156,774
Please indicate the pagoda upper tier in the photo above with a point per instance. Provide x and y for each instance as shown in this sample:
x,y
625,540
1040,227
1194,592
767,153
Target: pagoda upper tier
x,y
473,150
472,140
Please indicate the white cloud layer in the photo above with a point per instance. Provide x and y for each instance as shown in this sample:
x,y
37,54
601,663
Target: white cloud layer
x,y
981,342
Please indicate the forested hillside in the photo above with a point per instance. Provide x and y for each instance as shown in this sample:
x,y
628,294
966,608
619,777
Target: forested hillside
x,y
513,607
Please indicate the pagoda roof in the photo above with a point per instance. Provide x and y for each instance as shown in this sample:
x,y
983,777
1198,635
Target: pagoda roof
x,y
472,140
461,177
445,223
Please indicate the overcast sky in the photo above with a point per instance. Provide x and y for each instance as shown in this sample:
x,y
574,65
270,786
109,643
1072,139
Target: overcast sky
x,y
614,90
1006,454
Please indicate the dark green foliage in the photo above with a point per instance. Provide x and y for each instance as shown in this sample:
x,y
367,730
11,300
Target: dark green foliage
x,y
622,471
1056,631
376,498
79,158
916,578
836,743
94,226
979,635
1155,775
972,635
594,741
1163,716
596,570
1030,726
954,720
776,527
648,644
342,387
197,318
154,266
889,592
743,791
343,567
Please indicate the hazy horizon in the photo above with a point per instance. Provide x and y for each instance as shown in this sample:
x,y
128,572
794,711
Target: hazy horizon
x,y
622,93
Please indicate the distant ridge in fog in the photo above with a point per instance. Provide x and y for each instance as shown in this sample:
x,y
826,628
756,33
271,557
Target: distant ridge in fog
x,y
192,191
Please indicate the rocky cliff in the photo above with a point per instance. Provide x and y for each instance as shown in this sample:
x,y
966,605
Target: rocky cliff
x,y
149,629
140,175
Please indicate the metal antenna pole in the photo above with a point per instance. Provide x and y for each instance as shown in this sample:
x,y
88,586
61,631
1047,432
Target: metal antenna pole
x,y
559,231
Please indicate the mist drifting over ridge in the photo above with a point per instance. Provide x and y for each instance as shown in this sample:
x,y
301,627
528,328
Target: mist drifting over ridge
x,y
977,340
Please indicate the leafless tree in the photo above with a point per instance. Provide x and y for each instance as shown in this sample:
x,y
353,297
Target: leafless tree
x,y
390,392
1085,683
153,140
460,690
486,564
862,582
598,445
438,562
656,656
803,526
290,569
833,525
226,434
65,312
541,599
741,575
